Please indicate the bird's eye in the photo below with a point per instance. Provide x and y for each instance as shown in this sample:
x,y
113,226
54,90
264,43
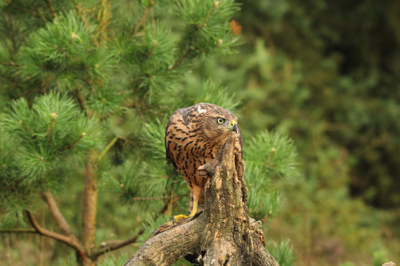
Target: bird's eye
x,y
220,120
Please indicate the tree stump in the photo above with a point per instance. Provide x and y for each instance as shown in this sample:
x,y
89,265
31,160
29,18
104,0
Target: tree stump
x,y
223,234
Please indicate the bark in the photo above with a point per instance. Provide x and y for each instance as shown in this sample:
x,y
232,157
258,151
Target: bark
x,y
389,264
89,210
223,234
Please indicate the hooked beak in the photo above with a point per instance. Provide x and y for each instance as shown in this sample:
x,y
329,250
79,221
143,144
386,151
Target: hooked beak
x,y
234,126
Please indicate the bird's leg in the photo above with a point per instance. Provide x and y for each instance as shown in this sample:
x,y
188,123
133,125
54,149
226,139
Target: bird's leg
x,y
195,193
194,200
194,210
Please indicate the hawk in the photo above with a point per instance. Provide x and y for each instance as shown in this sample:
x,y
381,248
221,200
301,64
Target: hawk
x,y
192,138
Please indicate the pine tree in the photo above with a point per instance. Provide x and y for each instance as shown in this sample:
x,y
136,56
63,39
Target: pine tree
x,y
86,90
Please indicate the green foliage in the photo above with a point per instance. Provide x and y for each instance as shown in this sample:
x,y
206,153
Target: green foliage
x,y
46,131
155,132
63,54
208,31
35,141
217,94
112,260
347,264
310,70
282,252
380,257
94,82
273,153
267,155
317,72
70,260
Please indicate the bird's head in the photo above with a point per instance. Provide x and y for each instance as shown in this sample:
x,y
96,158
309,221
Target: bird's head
x,y
218,123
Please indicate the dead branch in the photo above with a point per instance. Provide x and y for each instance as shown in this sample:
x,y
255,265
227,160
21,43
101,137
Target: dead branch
x,y
223,234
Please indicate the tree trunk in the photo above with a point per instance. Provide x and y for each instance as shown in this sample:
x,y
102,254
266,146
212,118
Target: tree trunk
x,y
223,234
89,210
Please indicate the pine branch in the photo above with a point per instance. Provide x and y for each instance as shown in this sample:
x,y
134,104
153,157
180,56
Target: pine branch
x,y
18,231
70,147
188,51
10,64
78,10
81,99
177,63
21,9
14,186
196,28
133,143
26,128
52,122
149,198
30,91
103,19
142,19
9,78
203,24
267,217
40,13
50,6
12,34
48,197
42,231
107,148
18,82
113,245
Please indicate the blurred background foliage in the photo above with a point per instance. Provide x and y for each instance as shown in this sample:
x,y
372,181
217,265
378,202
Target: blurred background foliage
x,y
325,73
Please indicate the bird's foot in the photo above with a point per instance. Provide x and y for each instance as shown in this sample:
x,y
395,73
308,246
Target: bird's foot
x,y
199,210
178,217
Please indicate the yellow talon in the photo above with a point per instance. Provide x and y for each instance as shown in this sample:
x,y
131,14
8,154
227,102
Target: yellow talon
x,y
180,217
194,211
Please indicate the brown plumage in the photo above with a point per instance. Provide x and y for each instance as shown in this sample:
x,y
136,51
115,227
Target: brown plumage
x,y
192,138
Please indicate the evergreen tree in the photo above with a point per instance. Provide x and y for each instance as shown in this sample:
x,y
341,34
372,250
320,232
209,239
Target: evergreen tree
x,y
86,90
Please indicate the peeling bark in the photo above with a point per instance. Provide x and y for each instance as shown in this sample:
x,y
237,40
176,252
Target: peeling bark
x,y
223,234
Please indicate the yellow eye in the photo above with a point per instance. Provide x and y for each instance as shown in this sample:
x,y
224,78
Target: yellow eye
x,y
220,120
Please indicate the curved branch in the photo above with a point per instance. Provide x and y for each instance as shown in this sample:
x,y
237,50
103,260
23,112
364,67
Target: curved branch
x,y
169,246
42,231
113,245
57,215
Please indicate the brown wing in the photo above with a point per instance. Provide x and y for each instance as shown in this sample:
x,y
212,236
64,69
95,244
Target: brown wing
x,y
176,117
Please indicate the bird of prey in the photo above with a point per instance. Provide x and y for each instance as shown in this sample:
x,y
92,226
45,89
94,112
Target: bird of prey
x,y
192,138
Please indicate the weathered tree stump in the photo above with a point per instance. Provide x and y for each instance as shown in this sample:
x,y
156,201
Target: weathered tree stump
x,y
223,234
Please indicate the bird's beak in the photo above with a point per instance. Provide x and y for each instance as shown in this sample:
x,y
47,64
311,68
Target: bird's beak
x,y
234,126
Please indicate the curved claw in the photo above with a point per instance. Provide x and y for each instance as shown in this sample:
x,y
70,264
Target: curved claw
x,y
178,217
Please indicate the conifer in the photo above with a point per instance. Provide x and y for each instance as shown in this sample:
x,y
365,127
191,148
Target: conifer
x,y
87,88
